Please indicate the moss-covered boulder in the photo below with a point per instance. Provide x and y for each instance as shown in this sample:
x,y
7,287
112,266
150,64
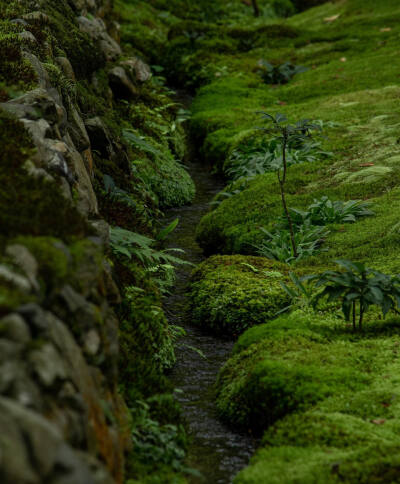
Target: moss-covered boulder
x,y
232,293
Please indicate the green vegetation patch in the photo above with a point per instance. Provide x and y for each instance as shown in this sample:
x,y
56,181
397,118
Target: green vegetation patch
x,y
232,293
292,364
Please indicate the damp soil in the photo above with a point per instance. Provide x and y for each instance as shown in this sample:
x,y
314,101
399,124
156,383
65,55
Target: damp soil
x,y
216,451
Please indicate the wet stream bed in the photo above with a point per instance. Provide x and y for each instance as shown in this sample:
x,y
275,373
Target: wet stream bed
x,y
216,450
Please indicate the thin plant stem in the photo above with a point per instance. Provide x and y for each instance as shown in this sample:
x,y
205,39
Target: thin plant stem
x,y
256,8
354,315
283,197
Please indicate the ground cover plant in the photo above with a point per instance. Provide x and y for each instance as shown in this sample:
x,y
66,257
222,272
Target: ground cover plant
x,y
281,74
357,284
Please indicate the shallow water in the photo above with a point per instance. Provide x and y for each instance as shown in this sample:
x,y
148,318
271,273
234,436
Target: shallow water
x,y
217,451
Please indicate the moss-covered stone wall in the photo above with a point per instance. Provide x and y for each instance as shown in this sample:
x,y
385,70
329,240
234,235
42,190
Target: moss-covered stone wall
x,y
88,139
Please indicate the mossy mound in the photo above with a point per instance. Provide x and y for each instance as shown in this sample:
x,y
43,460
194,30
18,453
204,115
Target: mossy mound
x,y
232,293
350,437
293,363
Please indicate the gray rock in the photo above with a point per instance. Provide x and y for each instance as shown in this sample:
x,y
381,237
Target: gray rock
x,y
19,282
20,21
138,70
66,67
15,461
27,37
87,201
14,327
37,16
43,76
110,48
96,29
35,172
26,392
38,104
102,231
39,129
120,84
77,130
33,451
92,342
35,316
9,350
100,136
20,110
47,365
73,300
26,262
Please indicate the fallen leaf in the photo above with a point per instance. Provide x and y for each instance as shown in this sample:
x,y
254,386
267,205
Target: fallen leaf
x,y
378,421
281,103
366,164
332,19
343,59
386,29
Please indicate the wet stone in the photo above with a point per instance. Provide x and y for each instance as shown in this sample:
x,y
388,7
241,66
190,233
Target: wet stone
x,y
120,84
35,316
15,328
16,280
26,262
47,365
92,342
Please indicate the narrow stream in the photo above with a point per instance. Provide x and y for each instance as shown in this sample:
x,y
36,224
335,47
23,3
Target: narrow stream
x,y
216,450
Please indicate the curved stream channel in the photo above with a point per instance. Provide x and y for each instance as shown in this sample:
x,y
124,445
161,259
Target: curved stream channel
x,y
216,450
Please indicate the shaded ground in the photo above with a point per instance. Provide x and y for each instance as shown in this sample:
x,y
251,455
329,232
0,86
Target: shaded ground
x,y
216,451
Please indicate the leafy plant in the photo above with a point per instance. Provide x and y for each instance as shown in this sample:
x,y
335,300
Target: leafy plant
x,y
360,286
301,293
278,245
281,74
325,211
159,444
253,159
114,193
160,263
141,143
287,135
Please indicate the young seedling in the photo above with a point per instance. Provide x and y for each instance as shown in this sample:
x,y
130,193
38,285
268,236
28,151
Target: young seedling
x,y
287,136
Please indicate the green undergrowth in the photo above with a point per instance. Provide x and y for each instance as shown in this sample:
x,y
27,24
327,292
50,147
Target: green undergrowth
x,y
134,178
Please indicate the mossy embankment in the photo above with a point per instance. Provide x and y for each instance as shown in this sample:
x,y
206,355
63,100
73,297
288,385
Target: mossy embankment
x,y
325,397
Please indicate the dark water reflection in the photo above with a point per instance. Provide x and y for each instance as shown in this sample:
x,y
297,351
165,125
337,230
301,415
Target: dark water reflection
x,y
217,451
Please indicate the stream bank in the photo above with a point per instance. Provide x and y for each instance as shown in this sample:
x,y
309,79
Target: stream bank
x,y
216,450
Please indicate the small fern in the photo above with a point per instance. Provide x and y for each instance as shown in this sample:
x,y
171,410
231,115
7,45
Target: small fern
x,y
57,78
